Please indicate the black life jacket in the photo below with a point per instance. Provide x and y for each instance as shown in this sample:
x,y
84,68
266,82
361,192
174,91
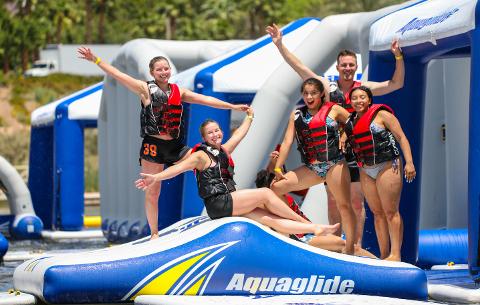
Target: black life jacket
x,y
164,114
371,148
341,98
316,140
217,179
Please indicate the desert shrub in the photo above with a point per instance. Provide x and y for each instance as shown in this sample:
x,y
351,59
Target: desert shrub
x,y
15,146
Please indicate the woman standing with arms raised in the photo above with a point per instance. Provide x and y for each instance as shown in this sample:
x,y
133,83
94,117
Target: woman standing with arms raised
x,y
161,120
315,126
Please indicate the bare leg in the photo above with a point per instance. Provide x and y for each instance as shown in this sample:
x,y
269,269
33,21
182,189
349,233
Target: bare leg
x,y
338,179
298,179
359,251
245,201
151,197
381,226
336,244
333,213
358,208
389,187
288,226
329,242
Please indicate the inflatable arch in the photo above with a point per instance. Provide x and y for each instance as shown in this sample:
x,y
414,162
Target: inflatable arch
x,y
56,166
22,223
436,33
253,73
122,205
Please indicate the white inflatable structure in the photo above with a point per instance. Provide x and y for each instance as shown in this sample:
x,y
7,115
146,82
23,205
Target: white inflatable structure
x,y
255,74
25,224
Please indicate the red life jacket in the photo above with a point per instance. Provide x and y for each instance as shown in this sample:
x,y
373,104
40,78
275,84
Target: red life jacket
x,y
342,98
371,148
296,208
164,114
316,140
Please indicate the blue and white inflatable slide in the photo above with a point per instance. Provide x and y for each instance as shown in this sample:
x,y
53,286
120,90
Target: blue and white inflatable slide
x,y
197,256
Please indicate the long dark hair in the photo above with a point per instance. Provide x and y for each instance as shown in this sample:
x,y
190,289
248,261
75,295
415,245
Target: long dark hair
x,y
366,90
317,84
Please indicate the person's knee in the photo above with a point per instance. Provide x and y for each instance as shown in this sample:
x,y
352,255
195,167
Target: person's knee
x,y
358,206
152,195
344,209
377,212
278,188
391,214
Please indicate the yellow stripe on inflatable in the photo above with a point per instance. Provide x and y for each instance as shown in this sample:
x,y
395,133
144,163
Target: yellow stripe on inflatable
x,y
164,282
195,287
92,221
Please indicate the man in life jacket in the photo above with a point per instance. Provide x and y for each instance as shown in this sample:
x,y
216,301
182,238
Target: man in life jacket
x,y
339,91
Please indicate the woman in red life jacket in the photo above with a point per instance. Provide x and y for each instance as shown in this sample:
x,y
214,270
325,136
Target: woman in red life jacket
x,y
161,120
339,90
214,172
374,133
315,127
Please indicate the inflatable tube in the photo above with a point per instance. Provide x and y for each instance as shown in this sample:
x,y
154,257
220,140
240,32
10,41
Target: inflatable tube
x,y
269,300
3,246
228,256
454,294
92,221
86,234
439,247
26,224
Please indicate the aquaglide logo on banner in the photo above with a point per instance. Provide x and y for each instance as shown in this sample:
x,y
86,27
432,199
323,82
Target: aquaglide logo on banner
x,y
313,284
418,24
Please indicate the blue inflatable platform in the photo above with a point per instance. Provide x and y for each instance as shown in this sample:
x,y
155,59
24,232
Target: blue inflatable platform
x,y
198,256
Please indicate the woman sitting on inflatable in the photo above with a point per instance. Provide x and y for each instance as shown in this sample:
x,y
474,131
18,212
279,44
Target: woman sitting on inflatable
x,y
374,132
214,172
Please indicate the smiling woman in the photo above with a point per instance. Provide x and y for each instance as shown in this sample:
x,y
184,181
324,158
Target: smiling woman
x,y
161,120
374,133
214,170
315,126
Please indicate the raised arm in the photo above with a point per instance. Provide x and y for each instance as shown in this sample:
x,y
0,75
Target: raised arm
x,y
240,133
196,160
341,115
302,70
285,146
385,87
196,98
392,124
137,86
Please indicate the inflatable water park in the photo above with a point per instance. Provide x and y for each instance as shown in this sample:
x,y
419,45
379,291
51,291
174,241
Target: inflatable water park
x,y
235,260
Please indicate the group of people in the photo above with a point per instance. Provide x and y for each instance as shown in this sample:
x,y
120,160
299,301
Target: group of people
x,y
345,141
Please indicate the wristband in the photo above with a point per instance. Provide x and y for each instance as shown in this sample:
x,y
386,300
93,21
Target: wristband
x,y
250,117
277,170
98,60
398,57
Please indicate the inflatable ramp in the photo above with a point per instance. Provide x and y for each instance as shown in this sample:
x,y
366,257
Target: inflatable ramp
x,y
277,300
197,256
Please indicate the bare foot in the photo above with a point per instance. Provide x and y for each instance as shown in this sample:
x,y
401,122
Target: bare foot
x,y
154,236
326,229
394,258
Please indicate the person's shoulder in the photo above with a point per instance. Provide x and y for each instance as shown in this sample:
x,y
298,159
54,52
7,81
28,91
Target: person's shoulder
x,y
332,86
